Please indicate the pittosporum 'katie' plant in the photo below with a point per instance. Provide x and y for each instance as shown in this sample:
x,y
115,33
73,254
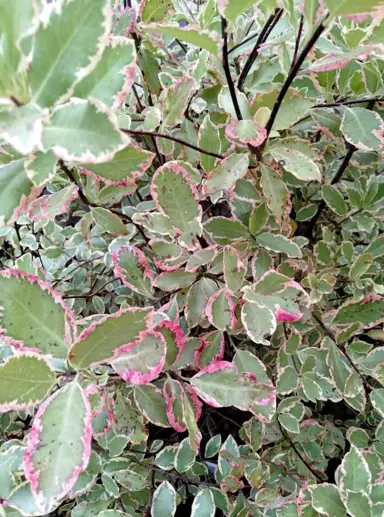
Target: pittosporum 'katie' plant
x,y
192,252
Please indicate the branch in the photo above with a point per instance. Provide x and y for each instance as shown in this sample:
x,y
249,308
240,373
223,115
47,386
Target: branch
x,y
227,70
346,103
235,47
291,76
298,38
269,25
170,137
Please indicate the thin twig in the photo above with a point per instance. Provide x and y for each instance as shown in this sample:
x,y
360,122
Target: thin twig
x,y
291,76
17,230
346,103
227,69
173,138
183,47
269,25
287,437
298,38
235,47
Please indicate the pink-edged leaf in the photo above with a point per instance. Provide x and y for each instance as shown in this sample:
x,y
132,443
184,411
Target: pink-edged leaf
x,y
151,403
245,132
334,61
211,349
172,393
222,385
33,316
368,312
133,269
175,340
142,361
25,380
175,195
220,310
98,343
127,166
48,207
58,446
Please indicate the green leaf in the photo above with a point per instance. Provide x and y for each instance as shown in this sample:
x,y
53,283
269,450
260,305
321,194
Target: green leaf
x,y
109,222
197,299
25,380
231,9
16,191
225,175
247,362
155,10
363,128
368,312
297,163
278,244
326,500
275,192
203,504
258,218
290,423
220,310
79,131
175,196
185,456
174,280
22,127
62,424
133,269
221,385
354,473
233,268
377,400
41,167
351,6
150,401
358,504
258,322
98,343
209,140
164,501
33,316
207,40
213,446
287,380
63,52
113,76
125,167
334,199
226,231
176,101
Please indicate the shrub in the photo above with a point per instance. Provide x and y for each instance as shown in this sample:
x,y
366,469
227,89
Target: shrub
x,y
192,240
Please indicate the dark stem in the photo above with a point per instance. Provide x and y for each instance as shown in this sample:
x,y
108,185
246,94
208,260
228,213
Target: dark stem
x,y
17,230
140,106
227,70
183,47
346,103
173,138
269,25
298,38
291,76
235,47
287,437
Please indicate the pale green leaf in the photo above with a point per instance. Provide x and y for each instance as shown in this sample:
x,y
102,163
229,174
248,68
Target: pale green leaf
x,y
226,231
109,222
358,504
225,175
334,199
203,504
275,192
155,10
151,403
326,500
209,140
67,46
164,501
363,129
25,380
22,127
41,167
176,101
207,40
279,244
354,473
259,322
79,131
297,163
231,9
351,6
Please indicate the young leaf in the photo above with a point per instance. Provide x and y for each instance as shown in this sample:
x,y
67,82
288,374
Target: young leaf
x,y
97,343
142,361
80,131
164,501
258,321
275,193
25,380
33,316
279,244
245,132
133,269
258,218
197,299
109,222
208,40
220,310
176,100
175,195
62,424
334,199
234,269
63,54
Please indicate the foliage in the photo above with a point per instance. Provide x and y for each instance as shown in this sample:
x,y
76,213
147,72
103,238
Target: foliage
x,y
191,282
